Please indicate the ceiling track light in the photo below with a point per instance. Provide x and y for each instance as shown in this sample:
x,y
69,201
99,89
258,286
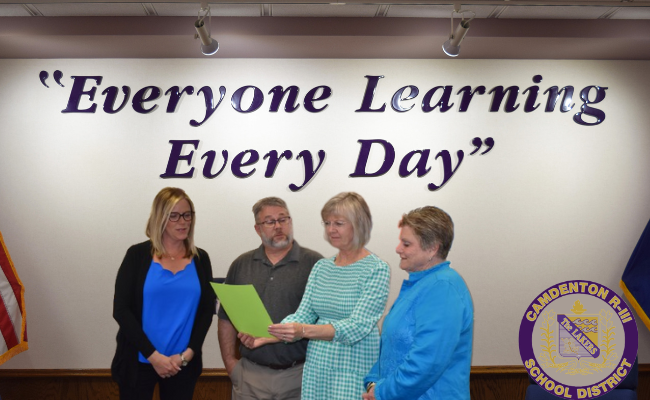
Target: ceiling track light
x,y
452,46
209,46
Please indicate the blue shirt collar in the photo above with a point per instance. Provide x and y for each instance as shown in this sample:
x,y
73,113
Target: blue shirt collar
x,y
416,276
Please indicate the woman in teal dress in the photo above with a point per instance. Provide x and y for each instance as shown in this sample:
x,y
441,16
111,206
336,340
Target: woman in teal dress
x,y
343,301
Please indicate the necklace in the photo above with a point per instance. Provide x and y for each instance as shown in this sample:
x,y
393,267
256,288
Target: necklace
x,y
173,258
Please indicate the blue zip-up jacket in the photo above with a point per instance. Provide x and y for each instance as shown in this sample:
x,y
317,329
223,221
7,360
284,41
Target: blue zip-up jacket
x,y
426,343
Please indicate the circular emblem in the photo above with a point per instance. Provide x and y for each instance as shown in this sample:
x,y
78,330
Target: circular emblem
x,y
578,340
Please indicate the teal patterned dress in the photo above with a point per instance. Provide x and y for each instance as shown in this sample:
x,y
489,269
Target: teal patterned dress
x,y
352,300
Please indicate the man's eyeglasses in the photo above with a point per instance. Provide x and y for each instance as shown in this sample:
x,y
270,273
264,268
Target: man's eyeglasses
x,y
174,217
269,223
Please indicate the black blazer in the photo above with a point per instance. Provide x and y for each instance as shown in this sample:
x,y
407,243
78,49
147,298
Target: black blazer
x,y
127,311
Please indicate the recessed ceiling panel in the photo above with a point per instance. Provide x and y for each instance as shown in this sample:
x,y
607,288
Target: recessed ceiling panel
x,y
13,10
236,10
436,11
632,13
91,9
177,9
554,12
323,10
255,37
218,10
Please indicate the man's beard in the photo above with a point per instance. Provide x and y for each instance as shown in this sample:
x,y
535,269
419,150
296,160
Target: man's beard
x,y
271,242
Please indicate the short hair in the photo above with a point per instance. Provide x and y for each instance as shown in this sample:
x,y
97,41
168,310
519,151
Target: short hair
x,y
432,226
268,202
162,206
355,209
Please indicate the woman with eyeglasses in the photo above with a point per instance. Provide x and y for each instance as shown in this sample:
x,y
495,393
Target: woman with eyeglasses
x,y
163,305
343,301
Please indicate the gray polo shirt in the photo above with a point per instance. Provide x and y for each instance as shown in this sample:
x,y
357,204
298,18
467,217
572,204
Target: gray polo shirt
x,y
280,287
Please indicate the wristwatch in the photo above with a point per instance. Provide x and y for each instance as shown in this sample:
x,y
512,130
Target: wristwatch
x,y
183,361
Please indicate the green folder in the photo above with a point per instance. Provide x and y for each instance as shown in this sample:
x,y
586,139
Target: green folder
x,y
244,308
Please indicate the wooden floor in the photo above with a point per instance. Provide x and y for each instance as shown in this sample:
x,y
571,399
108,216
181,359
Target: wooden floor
x,y
486,383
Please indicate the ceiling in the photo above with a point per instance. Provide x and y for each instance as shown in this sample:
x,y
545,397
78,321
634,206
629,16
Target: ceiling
x,y
310,29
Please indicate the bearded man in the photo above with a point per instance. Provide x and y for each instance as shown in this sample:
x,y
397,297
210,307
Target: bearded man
x,y
278,270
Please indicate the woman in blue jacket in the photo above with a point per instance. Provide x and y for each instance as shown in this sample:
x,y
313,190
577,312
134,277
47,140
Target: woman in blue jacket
x,y
426,342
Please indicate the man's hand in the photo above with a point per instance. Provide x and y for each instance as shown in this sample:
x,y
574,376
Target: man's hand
x,y
230,364
227,343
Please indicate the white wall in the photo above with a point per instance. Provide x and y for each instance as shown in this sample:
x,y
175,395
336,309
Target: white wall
x,y
552,201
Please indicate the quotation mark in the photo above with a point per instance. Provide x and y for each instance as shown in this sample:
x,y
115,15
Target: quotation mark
x,y
57,77
478,142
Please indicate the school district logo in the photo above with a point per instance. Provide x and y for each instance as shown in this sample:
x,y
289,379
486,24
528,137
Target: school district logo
x,y
578,340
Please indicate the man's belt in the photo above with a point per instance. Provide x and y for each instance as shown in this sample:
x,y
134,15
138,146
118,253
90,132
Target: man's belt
x,y
282,366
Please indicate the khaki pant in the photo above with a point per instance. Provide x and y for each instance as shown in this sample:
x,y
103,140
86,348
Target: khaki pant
x,y
251,381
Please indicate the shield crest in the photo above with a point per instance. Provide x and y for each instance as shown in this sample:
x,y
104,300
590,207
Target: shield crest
x,y
578,333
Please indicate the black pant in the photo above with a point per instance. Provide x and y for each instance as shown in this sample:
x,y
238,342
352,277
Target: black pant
x,y
178,387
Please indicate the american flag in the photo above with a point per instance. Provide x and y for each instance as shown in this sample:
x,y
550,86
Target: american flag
x,y
12,308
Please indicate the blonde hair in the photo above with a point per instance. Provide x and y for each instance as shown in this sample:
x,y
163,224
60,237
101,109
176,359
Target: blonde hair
x,y
355,209
432,226
162,206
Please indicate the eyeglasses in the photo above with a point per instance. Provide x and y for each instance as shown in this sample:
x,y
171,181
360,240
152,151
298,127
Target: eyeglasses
x,y
269,223
174,217
337,224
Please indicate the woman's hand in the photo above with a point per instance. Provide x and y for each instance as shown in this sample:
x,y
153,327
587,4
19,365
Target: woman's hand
x,y
253,342
188,354
287,332
370,395
164,366
176,359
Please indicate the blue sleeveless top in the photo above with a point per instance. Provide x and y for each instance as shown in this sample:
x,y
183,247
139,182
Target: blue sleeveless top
x,y
169,307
